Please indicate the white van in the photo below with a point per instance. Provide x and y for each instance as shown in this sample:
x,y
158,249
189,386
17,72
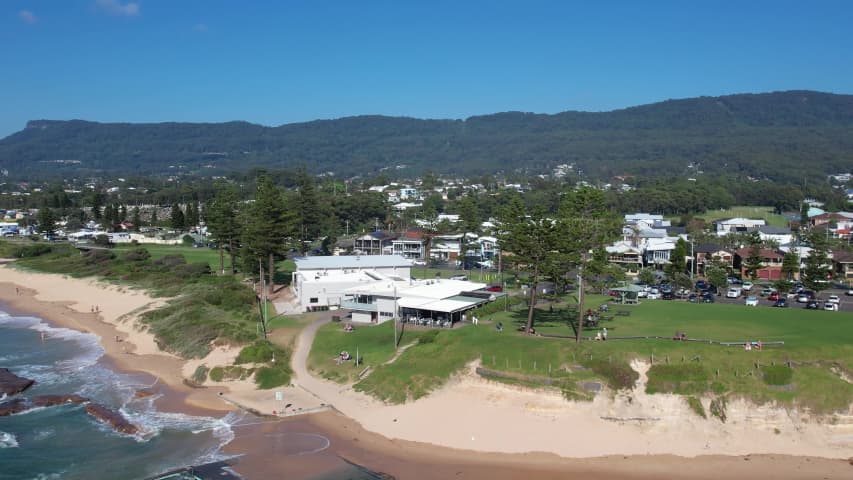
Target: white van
x,y
733,293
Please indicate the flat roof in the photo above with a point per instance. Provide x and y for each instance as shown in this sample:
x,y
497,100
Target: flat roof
x,y
351,261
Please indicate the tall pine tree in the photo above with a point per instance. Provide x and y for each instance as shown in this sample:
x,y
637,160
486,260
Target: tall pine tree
x,y
223,222
267,223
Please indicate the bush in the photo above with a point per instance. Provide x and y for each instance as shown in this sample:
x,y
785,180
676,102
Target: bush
x,y
271,377
200,374
428,337
217,374
497,306
230,372
718,408
187,240
95,257
103,241
777,375
261,351
696,405
30,251
684,379
137,255
191,270
618,375
170,261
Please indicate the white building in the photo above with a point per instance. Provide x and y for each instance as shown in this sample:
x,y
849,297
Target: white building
x,y
736,225
439,300
320,282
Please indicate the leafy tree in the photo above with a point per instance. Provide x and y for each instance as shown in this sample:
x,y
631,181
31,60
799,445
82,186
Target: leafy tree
x,y
176,218
532,238
469,217
817,269
790,264
267,224
716,273
754,261
677,259
192,215
223,221
97,204
46,222
154,217
646,276
122,214
310,210
682,280
135,219
584,224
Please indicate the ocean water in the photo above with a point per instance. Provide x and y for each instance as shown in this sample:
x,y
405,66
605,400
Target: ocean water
x,y
63,442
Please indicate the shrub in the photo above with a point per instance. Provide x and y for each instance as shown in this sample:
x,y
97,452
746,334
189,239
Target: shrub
x,y
103,241
170,261
94,257
497,306
30,251
684,379
777,375
696,405
217,374
137,255
187,240
200,374
428,337
191,270
271,377
261,351
718,408
618,375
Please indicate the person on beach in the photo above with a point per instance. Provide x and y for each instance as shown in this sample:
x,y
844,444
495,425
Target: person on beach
x,y
604,333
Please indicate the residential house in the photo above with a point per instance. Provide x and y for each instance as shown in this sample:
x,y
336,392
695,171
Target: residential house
x,y
770,233
842,265
736,225
706,252
624,253
410,245
771,263
374,243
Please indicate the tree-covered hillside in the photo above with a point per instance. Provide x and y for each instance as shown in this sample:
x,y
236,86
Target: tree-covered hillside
x,y
783,136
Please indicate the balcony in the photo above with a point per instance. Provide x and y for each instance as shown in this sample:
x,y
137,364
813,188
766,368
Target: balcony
x,y
362,307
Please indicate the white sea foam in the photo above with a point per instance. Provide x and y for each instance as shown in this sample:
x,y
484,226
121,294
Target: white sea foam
x,y
7,440
152,422
89,343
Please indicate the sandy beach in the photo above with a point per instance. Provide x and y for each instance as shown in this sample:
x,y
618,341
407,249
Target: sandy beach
x,y
471,426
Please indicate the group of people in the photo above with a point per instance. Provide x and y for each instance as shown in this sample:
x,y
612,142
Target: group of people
x,y
749,345
602,335
343,357
348,327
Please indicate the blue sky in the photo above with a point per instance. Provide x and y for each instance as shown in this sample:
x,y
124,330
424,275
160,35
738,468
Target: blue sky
x,y
275,62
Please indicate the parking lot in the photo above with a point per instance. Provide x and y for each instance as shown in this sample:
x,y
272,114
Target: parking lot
x,y
846,304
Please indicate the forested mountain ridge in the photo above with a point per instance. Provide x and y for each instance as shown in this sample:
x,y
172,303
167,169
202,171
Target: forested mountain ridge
x,y
784,136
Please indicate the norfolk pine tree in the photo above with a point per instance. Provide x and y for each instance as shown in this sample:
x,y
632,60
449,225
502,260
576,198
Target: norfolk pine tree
x,y
267,224
223,220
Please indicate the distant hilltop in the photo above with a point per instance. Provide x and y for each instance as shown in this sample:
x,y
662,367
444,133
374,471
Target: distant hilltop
x,y
782,136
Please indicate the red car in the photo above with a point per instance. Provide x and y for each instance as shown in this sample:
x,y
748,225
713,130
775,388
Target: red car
x,y
495,288
773,296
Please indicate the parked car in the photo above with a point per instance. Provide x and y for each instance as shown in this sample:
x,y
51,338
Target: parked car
x,y
766,292
773,296
693,298
812,305
419,262
708,298
464,278
781,303
833,299
653,294
733,293
665,288
751,301
849,292
494,288
747,286
701,284
734,281
805,296
830,307
668,295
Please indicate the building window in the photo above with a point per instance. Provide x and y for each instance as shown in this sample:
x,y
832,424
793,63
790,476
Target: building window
x,y
313,300
386,314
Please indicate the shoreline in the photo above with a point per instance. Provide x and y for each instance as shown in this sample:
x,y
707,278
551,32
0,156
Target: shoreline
x,y
369,438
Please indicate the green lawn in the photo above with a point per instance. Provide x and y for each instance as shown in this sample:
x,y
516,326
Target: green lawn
x,y
745,212
815,343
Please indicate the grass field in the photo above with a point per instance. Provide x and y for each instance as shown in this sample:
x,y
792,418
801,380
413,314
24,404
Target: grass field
x,y
818,345
191,254
745,212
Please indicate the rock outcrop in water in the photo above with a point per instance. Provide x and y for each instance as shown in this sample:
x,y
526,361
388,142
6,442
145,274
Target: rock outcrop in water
x,y
19,405
11,384
111,418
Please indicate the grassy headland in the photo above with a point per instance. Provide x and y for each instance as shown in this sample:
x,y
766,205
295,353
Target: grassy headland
x,y
818,347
